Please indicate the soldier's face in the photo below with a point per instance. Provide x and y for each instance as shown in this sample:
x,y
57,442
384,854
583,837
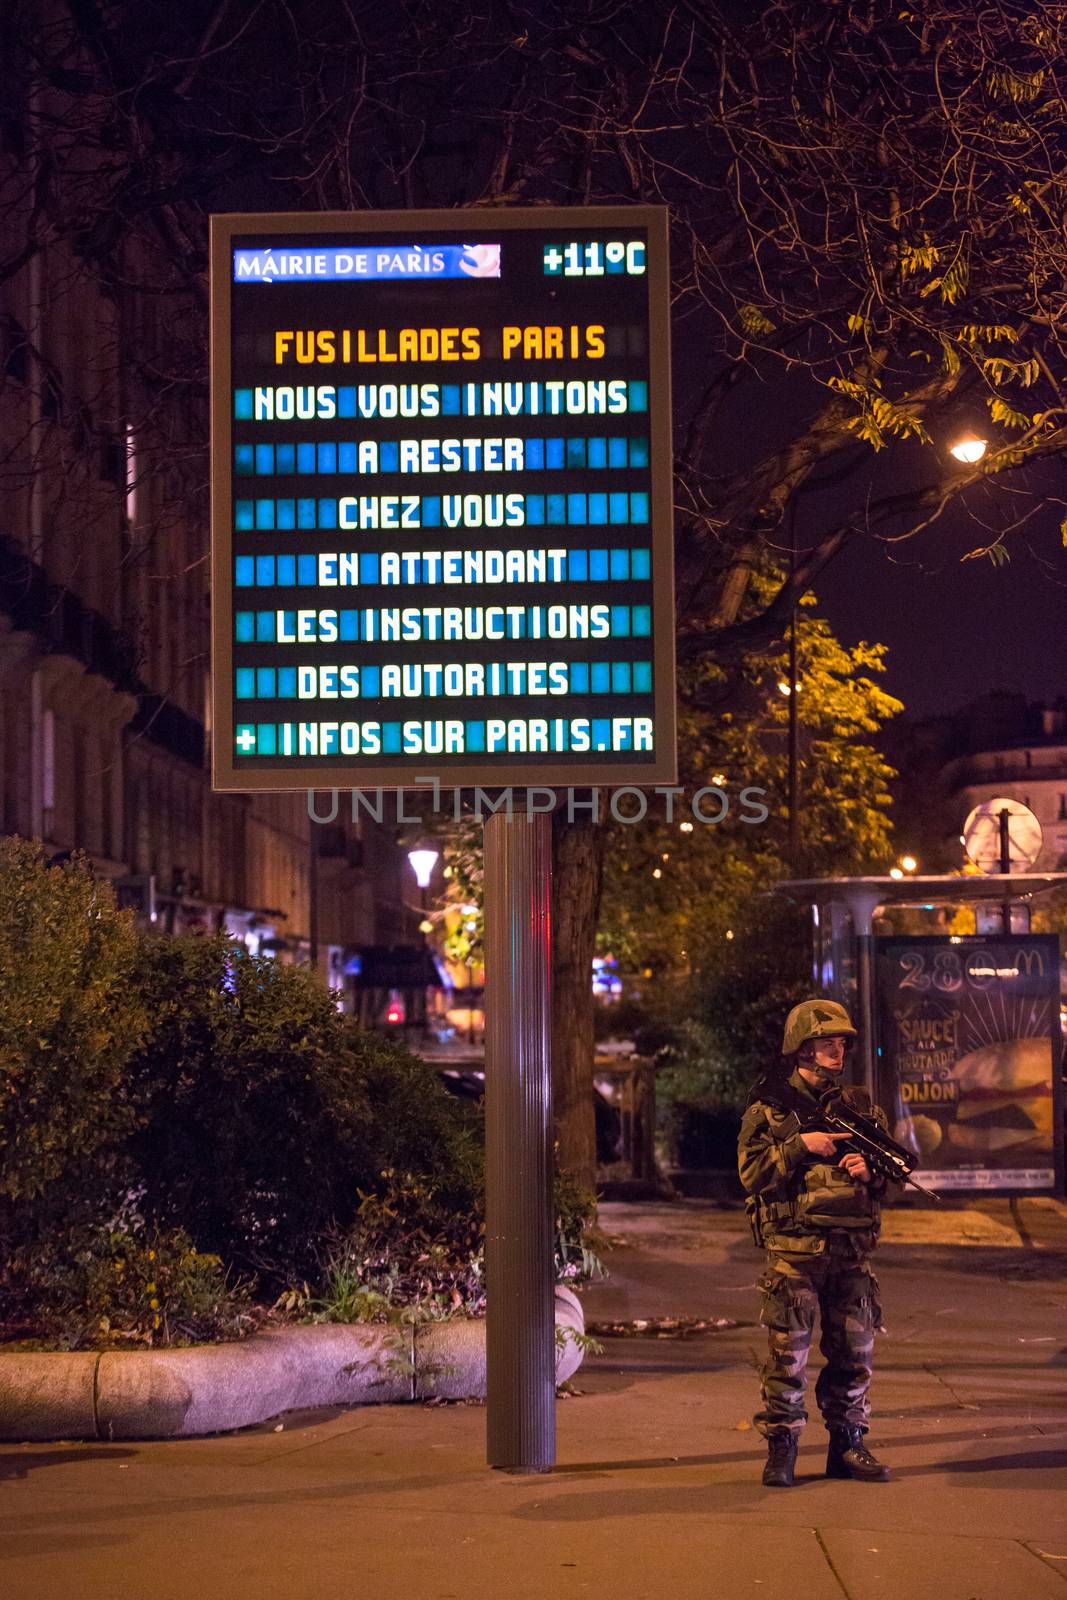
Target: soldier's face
x,y
824,1058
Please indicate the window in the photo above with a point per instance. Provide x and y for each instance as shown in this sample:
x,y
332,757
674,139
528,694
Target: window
x,y
14,349
81,839
107,755
15,362
130,476
48,772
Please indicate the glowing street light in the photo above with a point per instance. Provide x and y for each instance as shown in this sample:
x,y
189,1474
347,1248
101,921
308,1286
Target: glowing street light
x,y
422,865
895,872
969,449
909,863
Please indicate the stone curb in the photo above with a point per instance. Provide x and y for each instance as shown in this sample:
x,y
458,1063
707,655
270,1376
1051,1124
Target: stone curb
x,y
175,1394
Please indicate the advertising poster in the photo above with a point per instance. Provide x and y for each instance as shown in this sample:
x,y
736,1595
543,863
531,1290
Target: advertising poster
x,y
969,1058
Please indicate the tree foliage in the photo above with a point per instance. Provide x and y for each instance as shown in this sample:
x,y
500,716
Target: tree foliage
x,y
866,203
675,898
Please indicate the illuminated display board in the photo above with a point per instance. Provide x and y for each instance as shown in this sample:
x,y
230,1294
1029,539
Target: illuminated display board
x,y
441,502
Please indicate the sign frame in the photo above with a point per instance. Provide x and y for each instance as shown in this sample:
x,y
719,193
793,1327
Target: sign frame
x,y
512,769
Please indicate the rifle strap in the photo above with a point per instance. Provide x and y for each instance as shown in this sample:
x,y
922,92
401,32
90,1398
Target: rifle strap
x,y
777,1092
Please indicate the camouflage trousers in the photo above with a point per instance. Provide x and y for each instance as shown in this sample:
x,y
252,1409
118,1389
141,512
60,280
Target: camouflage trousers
x,y
843,1290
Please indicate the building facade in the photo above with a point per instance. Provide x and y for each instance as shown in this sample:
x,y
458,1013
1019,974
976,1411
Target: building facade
x,y
1024,761
104,615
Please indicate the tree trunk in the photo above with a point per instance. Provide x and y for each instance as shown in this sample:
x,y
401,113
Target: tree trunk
x,y
577,871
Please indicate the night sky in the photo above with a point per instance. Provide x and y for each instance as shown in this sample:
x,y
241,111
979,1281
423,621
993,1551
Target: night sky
x,y
957,629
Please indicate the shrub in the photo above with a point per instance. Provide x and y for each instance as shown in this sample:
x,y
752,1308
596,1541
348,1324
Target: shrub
x,y
268,1113
410,1255
407,1251
255,1125
123,1282
71,1016
578,1240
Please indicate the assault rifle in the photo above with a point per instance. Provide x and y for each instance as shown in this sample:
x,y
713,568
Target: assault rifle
x,y
866,1137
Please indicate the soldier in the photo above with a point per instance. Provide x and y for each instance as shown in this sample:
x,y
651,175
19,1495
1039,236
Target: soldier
x,y
818,1218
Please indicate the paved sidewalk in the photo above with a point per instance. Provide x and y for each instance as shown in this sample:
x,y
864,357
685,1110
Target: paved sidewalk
x,y
657,1492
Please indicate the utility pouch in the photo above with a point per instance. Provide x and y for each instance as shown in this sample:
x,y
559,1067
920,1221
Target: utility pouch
x,y
781,1306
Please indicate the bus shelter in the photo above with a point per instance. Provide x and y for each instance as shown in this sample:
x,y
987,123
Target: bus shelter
x,y
960,1034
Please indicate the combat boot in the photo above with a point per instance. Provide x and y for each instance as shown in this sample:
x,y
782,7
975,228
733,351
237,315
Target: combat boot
x,y
781,1459
848,1457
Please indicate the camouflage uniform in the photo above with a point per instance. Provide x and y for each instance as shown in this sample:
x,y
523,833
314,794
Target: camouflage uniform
x,y
819,1227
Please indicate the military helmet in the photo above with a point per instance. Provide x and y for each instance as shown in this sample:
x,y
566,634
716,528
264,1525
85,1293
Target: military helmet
x,y
815,1019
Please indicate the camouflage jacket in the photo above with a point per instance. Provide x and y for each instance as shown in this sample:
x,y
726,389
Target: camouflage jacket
x,y
797,1200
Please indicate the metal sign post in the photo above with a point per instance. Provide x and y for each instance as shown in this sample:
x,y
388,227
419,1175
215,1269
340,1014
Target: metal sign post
x,y
520,1333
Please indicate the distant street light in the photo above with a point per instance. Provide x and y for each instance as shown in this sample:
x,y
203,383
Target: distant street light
x,y
909,863
969,449
895,872
422,865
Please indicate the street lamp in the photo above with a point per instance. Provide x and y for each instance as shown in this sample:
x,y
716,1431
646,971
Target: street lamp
x,y
969,449
909,863
422,864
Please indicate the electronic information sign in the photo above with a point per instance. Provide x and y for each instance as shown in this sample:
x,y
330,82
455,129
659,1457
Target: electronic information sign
x,y
441,510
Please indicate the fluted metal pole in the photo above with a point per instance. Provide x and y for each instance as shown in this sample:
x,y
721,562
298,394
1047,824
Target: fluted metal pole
x,y
520,1331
